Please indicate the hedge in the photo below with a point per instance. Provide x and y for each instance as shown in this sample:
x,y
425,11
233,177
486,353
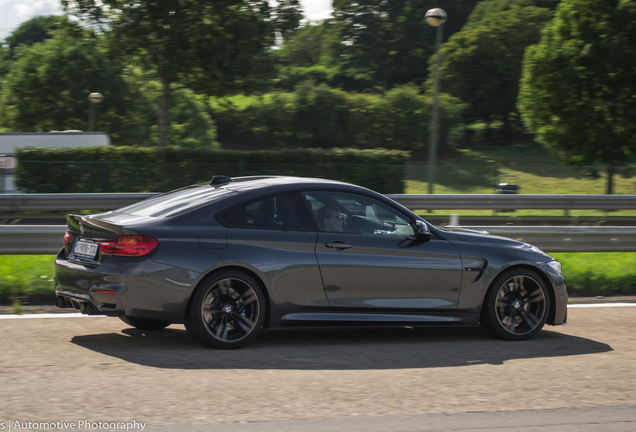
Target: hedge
x,y
153,169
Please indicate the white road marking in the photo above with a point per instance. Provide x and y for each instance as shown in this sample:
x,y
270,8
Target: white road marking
x,y
593,305
60,315
78,315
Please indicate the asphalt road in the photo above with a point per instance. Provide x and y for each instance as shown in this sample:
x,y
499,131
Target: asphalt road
x,y
581,376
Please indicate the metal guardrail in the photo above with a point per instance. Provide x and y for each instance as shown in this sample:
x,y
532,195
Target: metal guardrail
x,y
109,201
69,201
42,239
517,202
31,239
569,238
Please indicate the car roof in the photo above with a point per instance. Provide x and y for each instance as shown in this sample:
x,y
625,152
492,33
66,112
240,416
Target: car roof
x,y
244,184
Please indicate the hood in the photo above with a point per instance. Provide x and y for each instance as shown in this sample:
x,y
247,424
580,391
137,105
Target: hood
x,y
484,238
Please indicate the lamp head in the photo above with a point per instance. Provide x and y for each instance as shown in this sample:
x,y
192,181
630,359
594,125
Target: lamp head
x,y
95,97
435,17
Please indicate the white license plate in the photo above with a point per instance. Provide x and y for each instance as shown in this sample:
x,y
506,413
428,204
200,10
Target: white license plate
x,y
86,249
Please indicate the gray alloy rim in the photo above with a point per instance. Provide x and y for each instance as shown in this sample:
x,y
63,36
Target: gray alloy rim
x,y
230,310
520,305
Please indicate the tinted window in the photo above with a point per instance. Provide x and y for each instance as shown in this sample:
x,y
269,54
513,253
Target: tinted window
x,y
359,214
177,201
284,211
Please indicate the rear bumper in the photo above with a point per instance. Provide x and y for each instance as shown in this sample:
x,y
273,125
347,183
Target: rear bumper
x,y
125,286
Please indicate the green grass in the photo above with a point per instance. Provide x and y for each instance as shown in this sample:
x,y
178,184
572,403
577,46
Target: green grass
x,y
598,273
475,170
28,278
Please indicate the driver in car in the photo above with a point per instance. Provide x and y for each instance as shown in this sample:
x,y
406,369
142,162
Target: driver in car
x,y
331,219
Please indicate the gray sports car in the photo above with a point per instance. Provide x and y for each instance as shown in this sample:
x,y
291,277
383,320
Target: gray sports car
x,y
236,255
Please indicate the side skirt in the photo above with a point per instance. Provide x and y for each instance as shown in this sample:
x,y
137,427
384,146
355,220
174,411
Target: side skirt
x,y
280,318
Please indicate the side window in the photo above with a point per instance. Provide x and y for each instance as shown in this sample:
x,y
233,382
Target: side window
x,y
285,211
359,214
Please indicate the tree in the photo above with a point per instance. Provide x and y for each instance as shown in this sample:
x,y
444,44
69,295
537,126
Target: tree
x,y
388,42
4,62
35,30
486,7
578,89
305,56
481,64
209,44
48,85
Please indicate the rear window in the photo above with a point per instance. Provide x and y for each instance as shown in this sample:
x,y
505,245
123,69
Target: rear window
x,y
281,212
178,201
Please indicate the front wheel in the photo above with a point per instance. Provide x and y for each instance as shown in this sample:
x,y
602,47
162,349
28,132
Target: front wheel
x,y
517,305
227,311
145,323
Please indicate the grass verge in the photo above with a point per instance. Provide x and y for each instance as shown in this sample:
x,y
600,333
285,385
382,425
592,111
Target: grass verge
x,y
598,273
475,170
29,278
26,279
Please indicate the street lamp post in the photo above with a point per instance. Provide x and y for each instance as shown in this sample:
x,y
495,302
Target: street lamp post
x,y
93,99
436,18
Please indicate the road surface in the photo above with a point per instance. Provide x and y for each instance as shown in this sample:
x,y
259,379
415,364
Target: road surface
x,y
95,368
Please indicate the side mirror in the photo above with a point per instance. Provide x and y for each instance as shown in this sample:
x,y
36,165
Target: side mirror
x,y
421,230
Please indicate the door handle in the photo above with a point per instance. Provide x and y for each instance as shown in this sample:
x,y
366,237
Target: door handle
x,y
337,245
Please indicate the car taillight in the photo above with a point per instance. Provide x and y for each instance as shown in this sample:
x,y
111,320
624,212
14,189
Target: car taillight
x,y
129,245
66,237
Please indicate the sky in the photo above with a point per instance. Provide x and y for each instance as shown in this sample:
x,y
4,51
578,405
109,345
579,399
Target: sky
x,y
15,12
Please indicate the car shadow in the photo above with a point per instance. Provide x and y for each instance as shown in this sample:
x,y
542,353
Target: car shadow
x,y
335,348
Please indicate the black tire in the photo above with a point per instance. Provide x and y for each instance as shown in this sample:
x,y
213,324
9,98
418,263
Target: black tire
x,y
516,306
226,311
145,323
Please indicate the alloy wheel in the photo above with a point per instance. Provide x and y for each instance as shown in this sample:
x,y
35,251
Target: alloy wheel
x,y
520,305
230,310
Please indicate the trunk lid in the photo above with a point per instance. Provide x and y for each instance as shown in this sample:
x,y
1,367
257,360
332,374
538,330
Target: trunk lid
x,y
85,233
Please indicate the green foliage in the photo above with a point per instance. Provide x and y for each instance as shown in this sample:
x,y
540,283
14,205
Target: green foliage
x,y
33,31
387,43
210,45
578,90
599,273
26,278
192,125
48,85
4,63
154,169
305,56
484,8
481,64
319,116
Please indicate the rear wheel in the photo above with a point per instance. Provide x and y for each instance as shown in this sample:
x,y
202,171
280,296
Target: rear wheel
x,y
145,323
516,306
227,311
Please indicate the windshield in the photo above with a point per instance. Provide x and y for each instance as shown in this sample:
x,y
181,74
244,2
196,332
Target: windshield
x,y
177,201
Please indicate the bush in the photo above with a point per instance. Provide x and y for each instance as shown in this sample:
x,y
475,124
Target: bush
x,y
153,169
320,116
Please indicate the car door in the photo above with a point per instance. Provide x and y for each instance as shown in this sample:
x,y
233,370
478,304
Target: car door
x,y
276,235
375,261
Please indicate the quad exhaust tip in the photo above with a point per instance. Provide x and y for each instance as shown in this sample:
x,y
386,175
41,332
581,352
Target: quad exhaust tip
x,y
85,307
89,309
